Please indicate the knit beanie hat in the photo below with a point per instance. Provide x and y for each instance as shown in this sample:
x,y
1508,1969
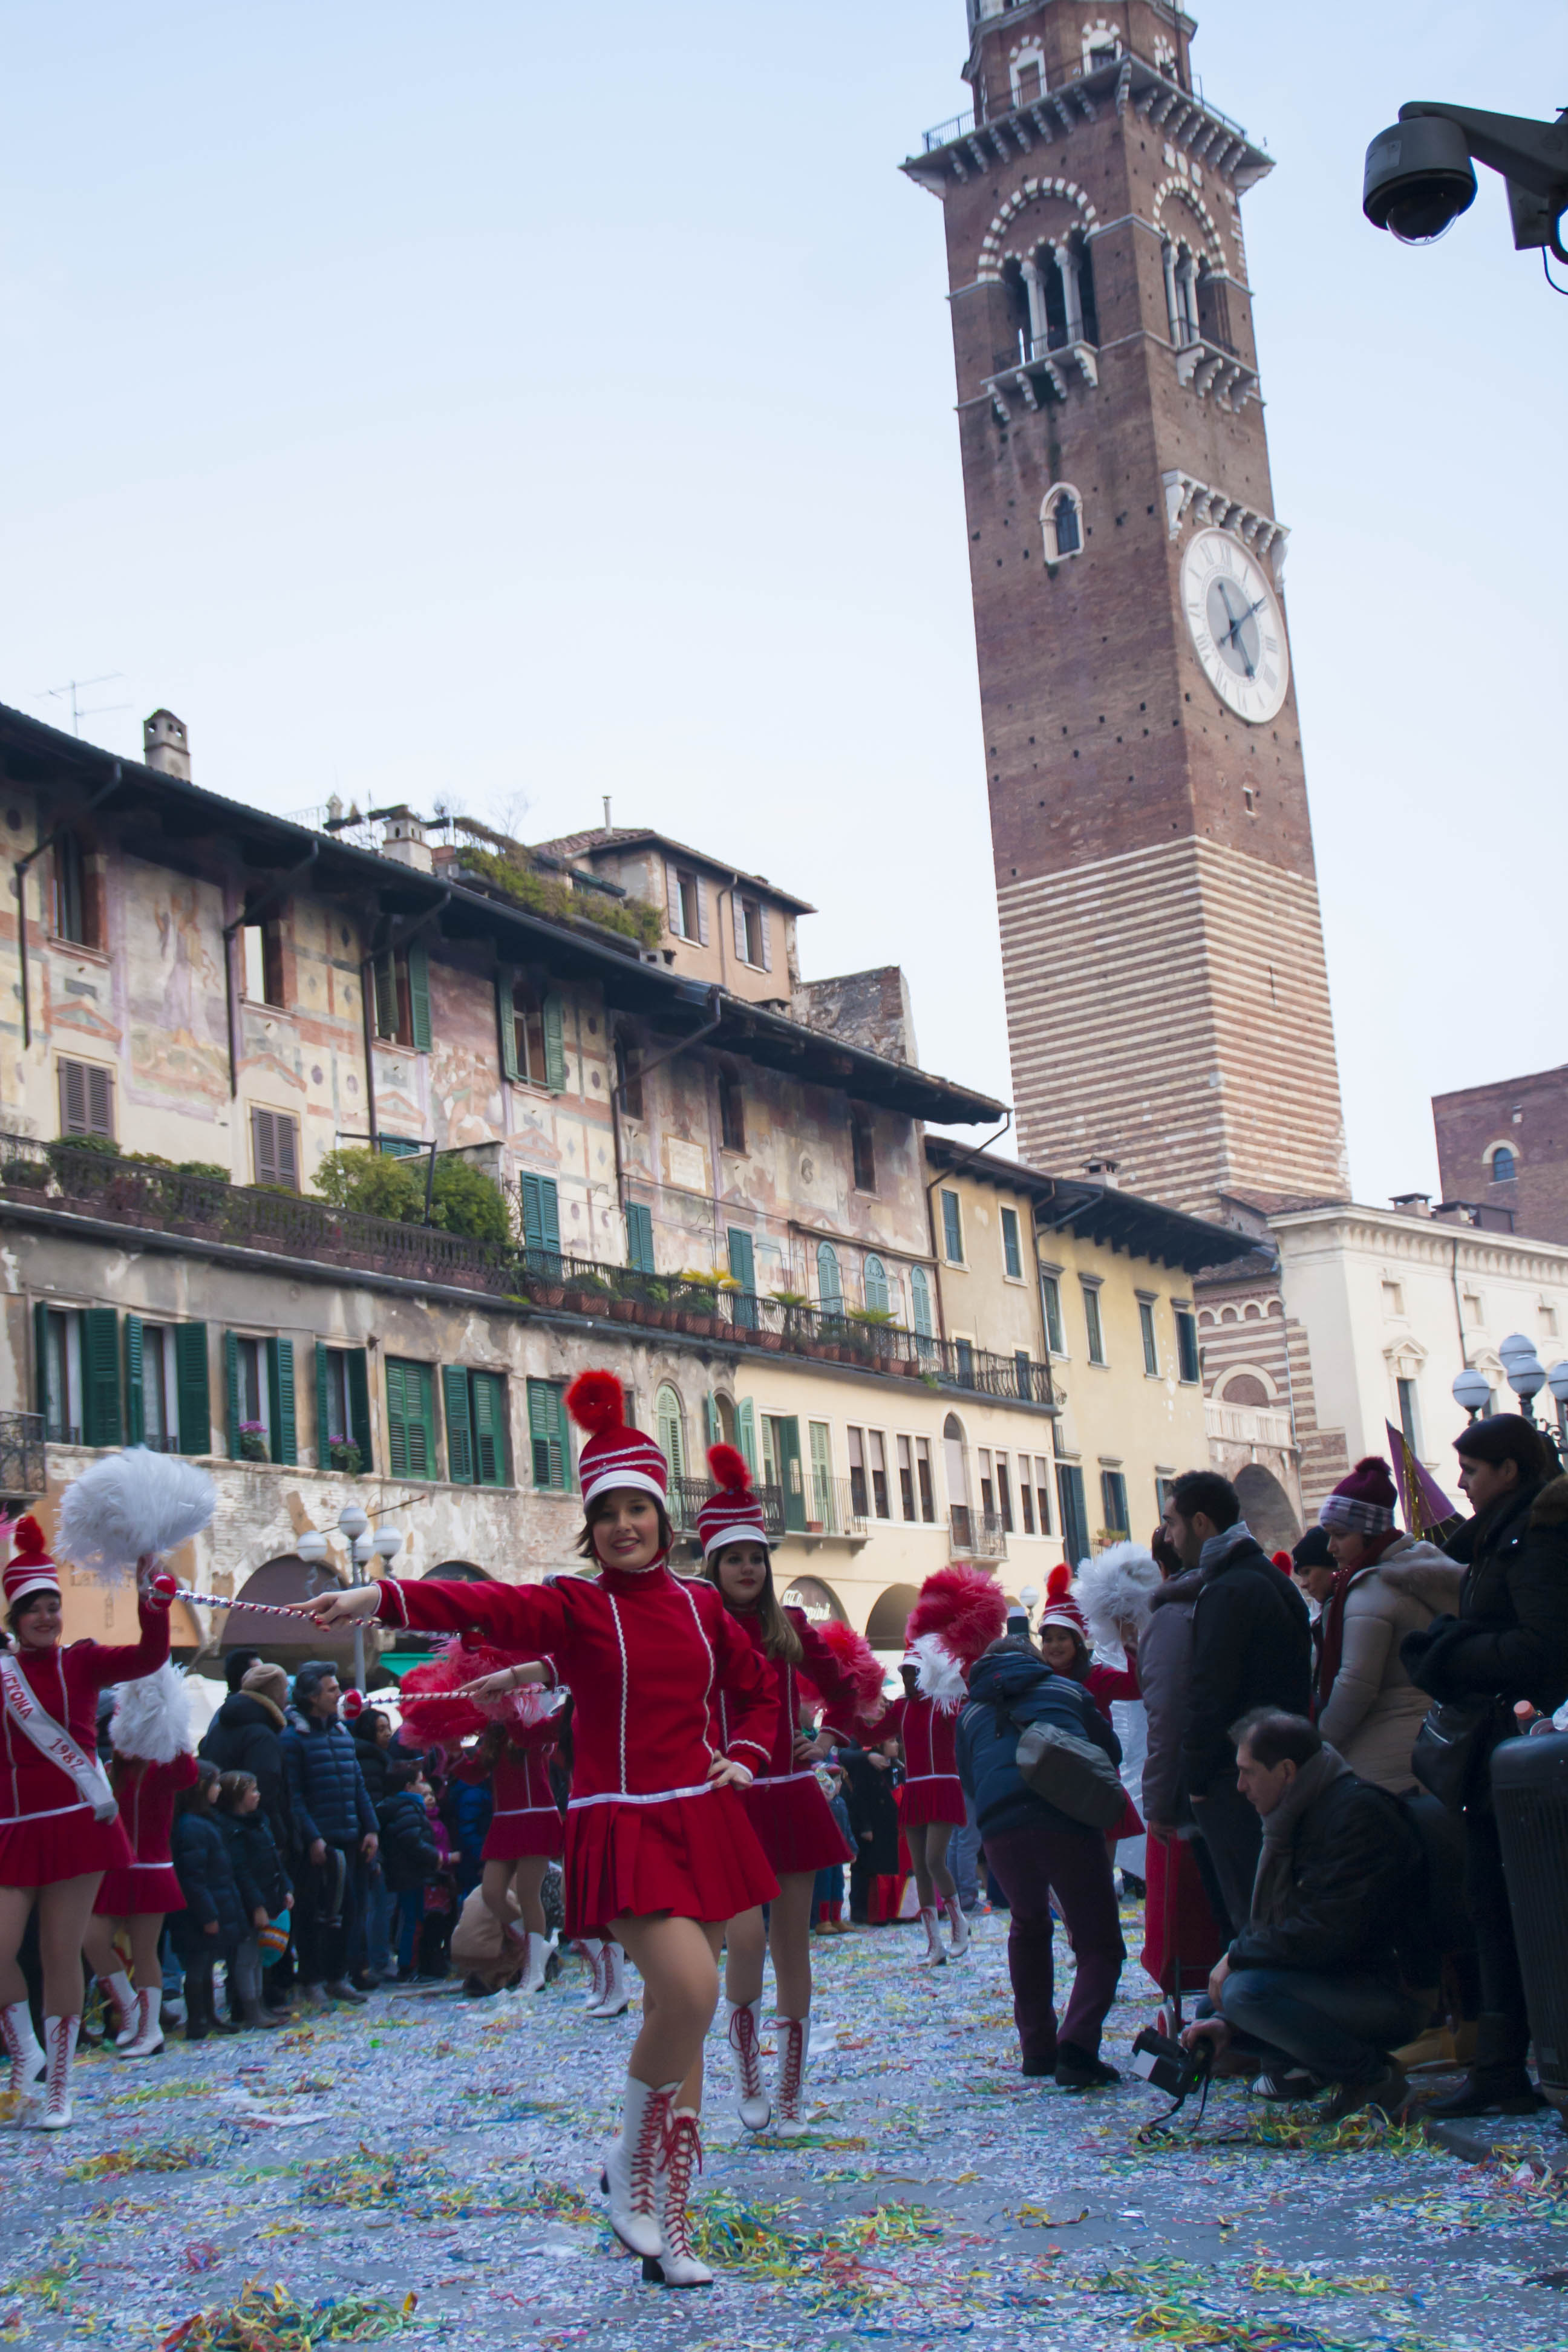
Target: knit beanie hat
x,y
1364,1502
733,1514
267,1682
614,1455
31,1568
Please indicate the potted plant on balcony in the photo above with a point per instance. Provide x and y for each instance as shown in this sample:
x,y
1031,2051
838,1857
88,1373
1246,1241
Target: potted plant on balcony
x,y
253,1442
21,1175
343,1454
701,1292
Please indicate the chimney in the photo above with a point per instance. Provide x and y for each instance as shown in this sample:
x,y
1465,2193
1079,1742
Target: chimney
x,y
166,746
402,837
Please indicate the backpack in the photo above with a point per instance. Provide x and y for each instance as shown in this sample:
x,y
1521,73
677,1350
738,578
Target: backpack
x,y
1072,1774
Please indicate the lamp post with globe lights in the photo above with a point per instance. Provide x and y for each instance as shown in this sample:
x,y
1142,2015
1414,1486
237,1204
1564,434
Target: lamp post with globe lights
x,y
1472,1390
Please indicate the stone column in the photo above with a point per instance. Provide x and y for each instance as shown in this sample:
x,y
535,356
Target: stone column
x,y
1188,274
1066,263
1037,293
1168,255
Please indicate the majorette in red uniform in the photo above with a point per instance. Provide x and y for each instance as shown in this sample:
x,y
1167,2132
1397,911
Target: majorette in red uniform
x,y
150,1732
647,1656
958,1615
525,1828
788,1806
1104,1684
58,1819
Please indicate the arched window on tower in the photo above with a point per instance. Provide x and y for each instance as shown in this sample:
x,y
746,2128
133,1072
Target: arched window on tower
x,y
1061,522
1214,308
1181,269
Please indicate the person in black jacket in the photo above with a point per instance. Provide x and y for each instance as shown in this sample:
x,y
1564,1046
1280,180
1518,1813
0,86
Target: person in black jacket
x,y
245,1736
1313,1985
335,1833
212,1923
1507,1644
1043,1853
410,1857
264,1889
1252,1647
871,1781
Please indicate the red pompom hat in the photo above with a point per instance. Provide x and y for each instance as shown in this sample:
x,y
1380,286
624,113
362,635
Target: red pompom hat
x,y
31,1570
1060,1608
734,1515
1364,1502
614,1455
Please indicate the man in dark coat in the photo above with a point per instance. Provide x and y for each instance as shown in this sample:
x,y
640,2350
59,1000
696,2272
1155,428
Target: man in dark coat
x,y
1507,1644
1252,1647
871,1784
1042,1855
335,1831
246,1735
1313,1987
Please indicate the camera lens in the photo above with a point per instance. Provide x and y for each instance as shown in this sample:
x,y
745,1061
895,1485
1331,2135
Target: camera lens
x,y
1421,213
1419,178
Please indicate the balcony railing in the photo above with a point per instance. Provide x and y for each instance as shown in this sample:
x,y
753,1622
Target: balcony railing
x,y
23,1474
1245,1424
687,1496
976,1535
1083,68
132,1193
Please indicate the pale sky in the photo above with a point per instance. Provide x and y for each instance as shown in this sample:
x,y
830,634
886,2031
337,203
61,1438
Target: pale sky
x,y
529,404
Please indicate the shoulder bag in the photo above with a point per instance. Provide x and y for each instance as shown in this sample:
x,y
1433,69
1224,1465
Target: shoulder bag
x,y
1072,1774
1454,1744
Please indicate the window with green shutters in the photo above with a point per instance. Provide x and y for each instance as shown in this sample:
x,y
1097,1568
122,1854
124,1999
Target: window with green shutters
x,y
259,1409
283,1434
76,1374
1075,1517
1189,1361
342,1408
876,1280
475,1426
1146,1332
459,1425
532,1029
1051,1302
919,1306
639,1236
1011,1251
952,1229
540,1220
410,1418
193,1388
746,1432
829,1282
166,1400
401,997
555,1046
1113,1502
744,1267
547,1436
419,996
1093,1323
670,1424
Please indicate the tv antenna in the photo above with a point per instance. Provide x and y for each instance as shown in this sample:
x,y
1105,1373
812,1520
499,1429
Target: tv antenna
x,y
77,686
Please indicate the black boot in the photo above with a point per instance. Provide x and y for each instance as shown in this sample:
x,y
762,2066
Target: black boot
x,y
198,2003
1498,2082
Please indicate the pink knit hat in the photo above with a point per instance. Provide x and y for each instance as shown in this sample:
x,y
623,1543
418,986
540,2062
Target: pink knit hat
x,y
1364,1502
614,1455
734,1515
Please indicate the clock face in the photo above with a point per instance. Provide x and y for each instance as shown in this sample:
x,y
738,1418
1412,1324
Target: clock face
x,y
1237,625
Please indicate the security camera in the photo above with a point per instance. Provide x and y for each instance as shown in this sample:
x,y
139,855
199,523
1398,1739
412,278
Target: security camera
x,y
1419,179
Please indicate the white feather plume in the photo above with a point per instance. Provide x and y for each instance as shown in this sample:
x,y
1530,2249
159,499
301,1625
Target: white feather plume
x,y
131,1507
1117,1585
151,1717
939,1675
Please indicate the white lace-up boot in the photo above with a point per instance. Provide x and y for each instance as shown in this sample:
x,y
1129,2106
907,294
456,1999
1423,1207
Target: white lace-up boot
x,y
59,2046
22,2048
147,2039
794,2045
752,2104
539,1950
631,2163
616,1998
677,2265
933,1957
591,1949
960,1927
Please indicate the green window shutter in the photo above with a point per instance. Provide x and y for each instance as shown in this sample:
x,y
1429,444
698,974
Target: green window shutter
x,y
546,1435
711,1421
324,1408
1011,1256
554,1048
280,1397
742,1258
397,1421
422,1455
41,1359
746,1432
551,1203
953,1229
385,973
101,1377
359,1404
231,1391
192,1387
506,1020
639,1236
541,1214
459,1425
488,1410
135,1415
920,1301
419,996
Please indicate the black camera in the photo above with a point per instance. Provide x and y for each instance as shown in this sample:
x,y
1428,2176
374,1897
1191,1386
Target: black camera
x,y
1176,2072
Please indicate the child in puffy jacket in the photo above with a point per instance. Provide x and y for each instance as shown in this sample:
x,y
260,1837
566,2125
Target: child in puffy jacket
x,y
263,1883
212,1925
413,1849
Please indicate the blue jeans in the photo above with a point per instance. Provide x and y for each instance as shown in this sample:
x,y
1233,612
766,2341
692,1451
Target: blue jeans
x,y
963,1861
1340,2029
410,1919
380,1905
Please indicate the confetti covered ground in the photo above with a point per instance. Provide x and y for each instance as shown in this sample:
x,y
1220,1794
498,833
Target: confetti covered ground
x,y
424,2172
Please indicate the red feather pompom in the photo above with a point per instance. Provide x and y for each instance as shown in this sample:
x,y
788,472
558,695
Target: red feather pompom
x,y
964,1610
730,1470
595,1401
1058,1584
434,1716
857,1661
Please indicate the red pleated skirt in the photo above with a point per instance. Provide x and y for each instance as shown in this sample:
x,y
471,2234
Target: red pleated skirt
x,y
145,1888
1181,1938
47,1847
796,1825
533,1829
695,1856
934,1797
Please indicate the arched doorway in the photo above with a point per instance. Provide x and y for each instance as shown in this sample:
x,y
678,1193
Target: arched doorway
x,y
1266,1507
888,1624
820,1602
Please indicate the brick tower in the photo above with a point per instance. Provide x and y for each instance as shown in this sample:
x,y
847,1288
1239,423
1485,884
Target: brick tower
x,y
1162,942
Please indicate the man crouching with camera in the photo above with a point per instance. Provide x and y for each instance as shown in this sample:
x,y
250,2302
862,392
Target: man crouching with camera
x,y
1310,1993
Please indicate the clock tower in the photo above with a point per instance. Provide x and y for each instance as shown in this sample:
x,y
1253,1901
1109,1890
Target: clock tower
x,y
1167,999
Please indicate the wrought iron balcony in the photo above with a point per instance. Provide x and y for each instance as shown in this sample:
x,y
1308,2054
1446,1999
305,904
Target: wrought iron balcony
x,y
23,1475
687,1496
975,1535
